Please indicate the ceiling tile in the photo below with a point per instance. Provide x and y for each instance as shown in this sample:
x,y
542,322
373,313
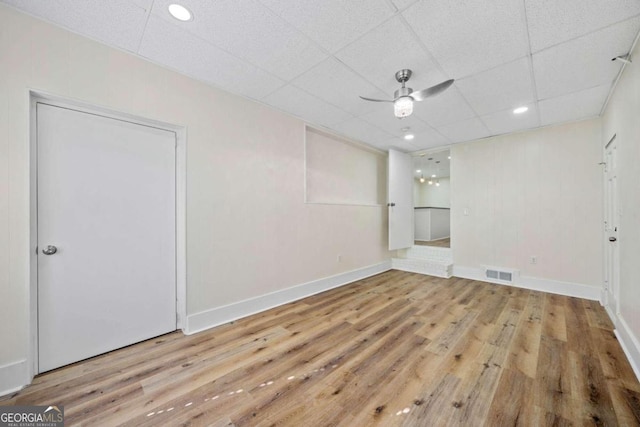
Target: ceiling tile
x,y
584,62
336,84
170,46
506,121
363,131
308,107
429,138
399,144
332,23
250,31
467,130
506,86
466,37
116,22
574,106
445,108
552,21
379,54
403,4
145,4
255,47
382,117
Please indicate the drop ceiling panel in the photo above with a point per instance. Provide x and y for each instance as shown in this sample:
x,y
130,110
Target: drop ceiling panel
x,y
445,108
145,4
466,130
336,84
313,58
401,145
466,37
387,49
429,138
332,23
552,21
584,62
166,44
506,121
363,131
117,22
250,31
506,86
403,4
308,107
574,106
383,118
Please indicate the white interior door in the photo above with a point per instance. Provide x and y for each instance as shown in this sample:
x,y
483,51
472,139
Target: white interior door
x,y
400,205
106,202
611,224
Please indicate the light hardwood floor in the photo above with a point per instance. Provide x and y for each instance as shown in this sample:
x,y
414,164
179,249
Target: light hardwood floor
x,y
442,243
392,350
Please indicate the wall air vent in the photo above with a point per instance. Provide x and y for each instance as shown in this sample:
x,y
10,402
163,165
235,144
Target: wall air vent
x,y
498,274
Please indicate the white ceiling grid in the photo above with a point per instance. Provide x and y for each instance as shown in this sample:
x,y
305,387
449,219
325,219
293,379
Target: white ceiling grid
x,y
313,58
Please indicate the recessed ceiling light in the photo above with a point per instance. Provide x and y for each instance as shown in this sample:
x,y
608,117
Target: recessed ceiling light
x,y
520,110
418,171
433,176
180,12
409,136
449,157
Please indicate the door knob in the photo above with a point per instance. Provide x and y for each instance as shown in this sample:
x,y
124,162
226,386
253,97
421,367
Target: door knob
x,y
612,239
391,204
50,250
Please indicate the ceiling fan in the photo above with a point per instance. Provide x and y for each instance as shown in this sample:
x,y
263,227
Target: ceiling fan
x,y
404,97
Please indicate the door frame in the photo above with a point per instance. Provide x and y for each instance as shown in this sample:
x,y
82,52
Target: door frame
x,y
610,288
35,96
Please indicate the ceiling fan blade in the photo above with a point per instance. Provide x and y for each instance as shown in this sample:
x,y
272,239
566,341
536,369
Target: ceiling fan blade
x,y
433,90
376,100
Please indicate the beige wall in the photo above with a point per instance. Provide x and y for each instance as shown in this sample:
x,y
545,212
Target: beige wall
x,y
622,118
536,193
248,230
431,195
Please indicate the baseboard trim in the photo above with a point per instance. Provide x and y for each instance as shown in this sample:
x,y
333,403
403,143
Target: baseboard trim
x,y
204,320
533,283
628,341
13,377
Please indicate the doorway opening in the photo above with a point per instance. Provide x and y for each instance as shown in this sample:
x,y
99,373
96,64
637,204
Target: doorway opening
x,y
432,200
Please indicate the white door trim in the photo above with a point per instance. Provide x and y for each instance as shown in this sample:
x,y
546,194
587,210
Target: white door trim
x,y
181,193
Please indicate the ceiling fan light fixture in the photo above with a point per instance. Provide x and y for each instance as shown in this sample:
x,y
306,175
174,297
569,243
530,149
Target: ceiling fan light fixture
x,y
403,107
422,179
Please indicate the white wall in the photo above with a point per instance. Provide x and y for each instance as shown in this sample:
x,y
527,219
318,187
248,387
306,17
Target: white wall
x,y
536,193
622,119
432,195
248,230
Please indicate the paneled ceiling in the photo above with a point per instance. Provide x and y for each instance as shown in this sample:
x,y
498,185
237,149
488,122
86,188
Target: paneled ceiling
x,y
313,58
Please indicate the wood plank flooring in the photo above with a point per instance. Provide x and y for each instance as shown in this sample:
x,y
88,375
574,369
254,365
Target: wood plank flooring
x,y
396,349
441,243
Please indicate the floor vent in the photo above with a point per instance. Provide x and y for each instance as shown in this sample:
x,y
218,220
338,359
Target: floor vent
x,y
505,276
